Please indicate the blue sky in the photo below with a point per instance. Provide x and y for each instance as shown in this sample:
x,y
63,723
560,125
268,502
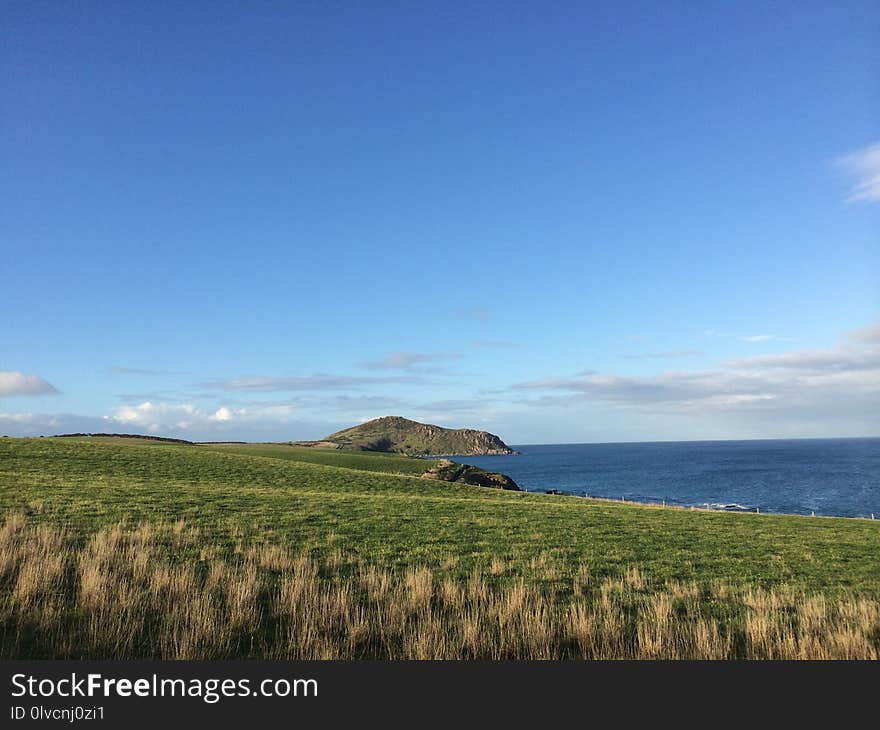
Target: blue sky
x,y
556,221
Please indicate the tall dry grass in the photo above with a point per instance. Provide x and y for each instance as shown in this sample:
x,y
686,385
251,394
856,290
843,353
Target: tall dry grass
x,y
128,593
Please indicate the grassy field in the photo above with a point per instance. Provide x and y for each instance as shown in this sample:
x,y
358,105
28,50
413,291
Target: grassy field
x,y
360,460
398,566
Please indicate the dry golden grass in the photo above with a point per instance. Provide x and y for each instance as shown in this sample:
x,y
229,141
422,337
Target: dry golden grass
x,y
581,582
634,578
130,593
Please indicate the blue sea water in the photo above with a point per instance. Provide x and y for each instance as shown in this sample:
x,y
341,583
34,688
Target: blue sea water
x,y
831,477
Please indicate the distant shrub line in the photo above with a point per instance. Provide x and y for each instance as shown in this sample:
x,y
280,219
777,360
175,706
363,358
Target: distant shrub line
x,y
125,436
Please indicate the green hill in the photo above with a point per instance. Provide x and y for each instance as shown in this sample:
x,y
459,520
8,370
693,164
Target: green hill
x,y
401,435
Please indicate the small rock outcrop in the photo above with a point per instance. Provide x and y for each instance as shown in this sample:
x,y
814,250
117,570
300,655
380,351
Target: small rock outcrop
x,y
450,471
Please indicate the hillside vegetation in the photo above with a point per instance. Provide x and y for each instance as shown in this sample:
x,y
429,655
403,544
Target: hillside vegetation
x,y
397,434
115,549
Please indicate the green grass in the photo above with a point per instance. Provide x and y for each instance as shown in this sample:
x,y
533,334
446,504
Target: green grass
x,y
374,510
387,463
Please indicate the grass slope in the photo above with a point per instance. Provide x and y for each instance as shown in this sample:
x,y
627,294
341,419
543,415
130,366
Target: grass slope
x,y
374,461
258,493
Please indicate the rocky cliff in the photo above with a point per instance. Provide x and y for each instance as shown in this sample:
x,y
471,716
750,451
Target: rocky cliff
x,y
401,435
449,471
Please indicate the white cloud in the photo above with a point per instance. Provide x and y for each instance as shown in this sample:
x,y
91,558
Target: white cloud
x,y
156,417
358,404
744,338
864,166
261,411
266,422
841,382
840,359
17,417
408,360
709,387
43,424
268,384
16,383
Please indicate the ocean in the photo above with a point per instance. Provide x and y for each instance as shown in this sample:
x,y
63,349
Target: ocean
x,y
828,477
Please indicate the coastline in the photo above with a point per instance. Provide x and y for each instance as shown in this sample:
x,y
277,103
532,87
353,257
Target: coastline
x,y
837,478
694,508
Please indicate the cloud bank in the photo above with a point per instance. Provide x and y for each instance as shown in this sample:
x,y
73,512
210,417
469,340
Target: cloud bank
x,y
817,392
274,384
16,383
180,417
841,383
